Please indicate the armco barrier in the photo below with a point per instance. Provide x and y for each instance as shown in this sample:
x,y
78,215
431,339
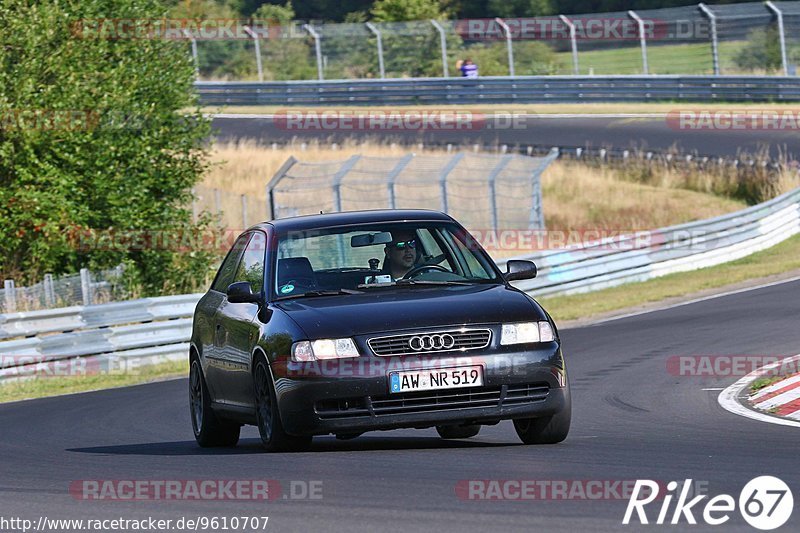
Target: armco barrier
x,y
502,90
609,262
157,329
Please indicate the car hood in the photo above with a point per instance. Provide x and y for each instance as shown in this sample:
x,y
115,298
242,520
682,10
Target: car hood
x,y
392,309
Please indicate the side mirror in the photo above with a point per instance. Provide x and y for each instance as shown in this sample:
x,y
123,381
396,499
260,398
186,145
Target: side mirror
x,y
242,293
520,269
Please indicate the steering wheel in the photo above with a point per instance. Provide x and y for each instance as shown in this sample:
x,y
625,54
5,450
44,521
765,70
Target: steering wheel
x,y
422,268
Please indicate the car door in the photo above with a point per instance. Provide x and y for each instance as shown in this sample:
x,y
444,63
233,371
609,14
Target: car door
x,y
239,328
211,336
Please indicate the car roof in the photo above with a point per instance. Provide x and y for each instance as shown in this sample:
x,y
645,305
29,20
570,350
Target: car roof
x,y
326,220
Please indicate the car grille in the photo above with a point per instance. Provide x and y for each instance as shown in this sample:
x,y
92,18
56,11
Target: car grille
x,y
427,401
456,340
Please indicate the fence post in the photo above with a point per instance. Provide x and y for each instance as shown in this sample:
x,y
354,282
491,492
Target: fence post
x,y
509,46
712,19
10,292
86,286
573,41
448,168
244,211
49,291
493,188
279,175
642,39
392,177
194,54
443,44
781,36
537,212
260,68
217,202
337,181
379,39
317,48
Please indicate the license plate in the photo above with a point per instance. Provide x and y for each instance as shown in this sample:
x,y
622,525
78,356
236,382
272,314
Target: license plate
x,y
436,378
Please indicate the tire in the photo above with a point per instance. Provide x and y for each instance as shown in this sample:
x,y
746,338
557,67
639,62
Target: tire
x,y
458,432
273,436
547,429
209,430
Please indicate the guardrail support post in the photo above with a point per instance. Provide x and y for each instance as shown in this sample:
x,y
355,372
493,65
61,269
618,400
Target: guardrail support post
x,y
642,39
244,212
509,46
259,66
317,47
10,292
712,19
49,291
392,177
781,36
379,40
86,286
573,41
443,44
337,181
537,212
448,168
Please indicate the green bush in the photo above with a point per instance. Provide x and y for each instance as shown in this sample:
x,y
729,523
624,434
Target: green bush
x,y
124,160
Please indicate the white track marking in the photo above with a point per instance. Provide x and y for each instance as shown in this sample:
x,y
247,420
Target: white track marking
x,y
729,398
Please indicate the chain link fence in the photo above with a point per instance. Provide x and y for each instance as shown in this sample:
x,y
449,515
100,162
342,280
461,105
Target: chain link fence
x,y
481,191
85,288
749,38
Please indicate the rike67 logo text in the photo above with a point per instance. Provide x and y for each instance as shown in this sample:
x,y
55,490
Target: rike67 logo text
x,y
765,503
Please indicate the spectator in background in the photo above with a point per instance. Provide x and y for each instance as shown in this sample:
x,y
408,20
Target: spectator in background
x,y
469,69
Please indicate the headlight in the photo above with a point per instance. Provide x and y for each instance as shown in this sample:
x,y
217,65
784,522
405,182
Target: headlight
x,y
323,349
526,332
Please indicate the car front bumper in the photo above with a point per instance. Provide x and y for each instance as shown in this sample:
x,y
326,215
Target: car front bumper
x,y
352,396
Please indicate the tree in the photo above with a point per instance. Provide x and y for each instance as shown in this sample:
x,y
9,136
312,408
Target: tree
x,y
405,10
93,141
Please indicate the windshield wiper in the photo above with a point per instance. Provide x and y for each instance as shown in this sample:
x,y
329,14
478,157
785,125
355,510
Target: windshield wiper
x,y
309,294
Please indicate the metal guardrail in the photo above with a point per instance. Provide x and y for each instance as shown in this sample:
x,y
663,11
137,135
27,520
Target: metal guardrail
x,y
640,257
503,90
157,329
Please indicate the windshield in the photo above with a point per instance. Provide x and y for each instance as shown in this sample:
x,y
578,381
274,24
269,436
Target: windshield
x,y
343,260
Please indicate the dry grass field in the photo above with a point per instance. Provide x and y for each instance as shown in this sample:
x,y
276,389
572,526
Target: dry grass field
x,y
576,196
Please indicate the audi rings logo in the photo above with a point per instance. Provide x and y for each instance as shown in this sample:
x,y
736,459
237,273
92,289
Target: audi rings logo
x,y
422,343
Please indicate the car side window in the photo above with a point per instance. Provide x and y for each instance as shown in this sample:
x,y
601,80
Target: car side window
x,y
251,267
228,268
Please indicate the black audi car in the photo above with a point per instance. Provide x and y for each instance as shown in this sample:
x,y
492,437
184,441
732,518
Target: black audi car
x,y
350,322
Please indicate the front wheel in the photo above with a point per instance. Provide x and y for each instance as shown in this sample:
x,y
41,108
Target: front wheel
x,y
209,430
273,437
547,429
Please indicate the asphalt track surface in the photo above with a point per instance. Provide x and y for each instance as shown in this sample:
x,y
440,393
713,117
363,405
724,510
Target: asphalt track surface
x,y
645,133
632,419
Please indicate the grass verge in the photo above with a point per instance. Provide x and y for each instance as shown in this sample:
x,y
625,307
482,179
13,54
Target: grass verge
x,y
783,257
54,386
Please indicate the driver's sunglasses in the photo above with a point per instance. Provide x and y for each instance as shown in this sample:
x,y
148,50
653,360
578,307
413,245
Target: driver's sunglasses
x,y
402,245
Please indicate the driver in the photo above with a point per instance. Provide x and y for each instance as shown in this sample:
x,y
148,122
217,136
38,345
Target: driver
x,y
401,254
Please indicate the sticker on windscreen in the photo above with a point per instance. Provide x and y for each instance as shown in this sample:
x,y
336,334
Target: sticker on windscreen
x,y
286,289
